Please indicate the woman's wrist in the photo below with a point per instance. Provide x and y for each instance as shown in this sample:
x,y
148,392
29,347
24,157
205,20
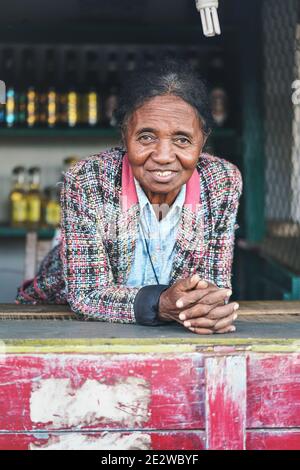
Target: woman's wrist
x,y
146,305
163,307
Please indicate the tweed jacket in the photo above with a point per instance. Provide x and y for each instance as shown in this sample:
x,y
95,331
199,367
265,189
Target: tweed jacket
x,y
100,215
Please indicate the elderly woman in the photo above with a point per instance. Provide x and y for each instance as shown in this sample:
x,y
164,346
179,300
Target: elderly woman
x,y
148,229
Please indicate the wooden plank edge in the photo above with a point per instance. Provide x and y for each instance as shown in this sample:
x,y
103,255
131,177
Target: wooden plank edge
x,y
148,345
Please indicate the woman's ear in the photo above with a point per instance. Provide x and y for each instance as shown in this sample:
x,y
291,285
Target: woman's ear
x,y
123,139
205,138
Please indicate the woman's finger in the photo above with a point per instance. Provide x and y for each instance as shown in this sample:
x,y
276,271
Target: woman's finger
x,y
222,311
213,312
193,296
228,329
200,322
214,297
201,331
207,296
225,322
198,310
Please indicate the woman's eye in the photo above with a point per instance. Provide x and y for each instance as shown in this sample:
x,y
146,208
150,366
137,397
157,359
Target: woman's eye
x,y
182,141
146,138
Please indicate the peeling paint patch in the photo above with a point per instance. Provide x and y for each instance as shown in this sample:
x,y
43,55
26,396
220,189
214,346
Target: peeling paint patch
x,y
56,401
106,441
2,348
226,402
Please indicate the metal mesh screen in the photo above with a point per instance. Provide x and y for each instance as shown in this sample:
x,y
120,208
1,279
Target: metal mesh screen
x,y
281,37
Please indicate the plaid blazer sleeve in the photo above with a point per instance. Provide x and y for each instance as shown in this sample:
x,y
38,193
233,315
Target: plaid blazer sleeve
x,y
90,286
220,249
48,285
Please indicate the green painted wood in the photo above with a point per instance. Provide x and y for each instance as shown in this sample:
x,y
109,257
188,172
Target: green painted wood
x,y
295,291
252,117
65,133
20,232
261,277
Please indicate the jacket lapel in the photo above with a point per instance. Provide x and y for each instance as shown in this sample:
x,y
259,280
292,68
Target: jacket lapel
x,y
127,223
126,240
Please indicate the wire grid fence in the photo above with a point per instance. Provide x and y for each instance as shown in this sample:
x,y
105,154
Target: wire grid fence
x,y
281,36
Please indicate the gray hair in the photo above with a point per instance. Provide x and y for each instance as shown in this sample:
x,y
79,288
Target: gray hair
x,y
168,78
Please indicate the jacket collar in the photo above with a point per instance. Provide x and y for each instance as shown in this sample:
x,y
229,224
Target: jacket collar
x,y
144,201
129,195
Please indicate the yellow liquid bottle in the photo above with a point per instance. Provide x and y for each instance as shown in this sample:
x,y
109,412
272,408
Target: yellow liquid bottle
x,y
34,198
70,96
29,112
90,106
52,208
17,198
68,162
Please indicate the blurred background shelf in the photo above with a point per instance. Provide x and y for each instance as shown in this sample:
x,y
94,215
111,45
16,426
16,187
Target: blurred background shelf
x,y
81,133
20,232
112,32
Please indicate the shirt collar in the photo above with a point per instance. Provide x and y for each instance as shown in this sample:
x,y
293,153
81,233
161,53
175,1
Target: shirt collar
x,y
129,194
143,200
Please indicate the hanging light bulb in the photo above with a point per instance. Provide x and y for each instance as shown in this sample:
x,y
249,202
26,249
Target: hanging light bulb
x,y
209,16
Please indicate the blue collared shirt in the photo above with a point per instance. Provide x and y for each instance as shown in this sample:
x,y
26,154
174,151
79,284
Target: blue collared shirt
x,y
160,236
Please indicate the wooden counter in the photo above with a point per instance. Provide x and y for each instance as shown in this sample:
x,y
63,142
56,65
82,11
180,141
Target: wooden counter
x,y
70,384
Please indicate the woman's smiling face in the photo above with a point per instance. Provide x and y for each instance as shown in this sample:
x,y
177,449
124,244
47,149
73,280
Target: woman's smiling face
x,y
164,140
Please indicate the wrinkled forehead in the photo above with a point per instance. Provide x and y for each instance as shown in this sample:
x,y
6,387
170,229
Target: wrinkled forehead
x,y
164,112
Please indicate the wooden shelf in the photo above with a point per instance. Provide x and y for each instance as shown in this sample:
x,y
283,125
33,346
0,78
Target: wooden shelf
x,y
20,232
112,32
65,133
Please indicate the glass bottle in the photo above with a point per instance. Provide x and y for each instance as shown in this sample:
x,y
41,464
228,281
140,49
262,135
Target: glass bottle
x,y
28,112
194,61
22,96
130,62
52,207
90,98
112,91
68,162
70,97
48,104
2,115
148,61
34,198
10,108
17,198
218,91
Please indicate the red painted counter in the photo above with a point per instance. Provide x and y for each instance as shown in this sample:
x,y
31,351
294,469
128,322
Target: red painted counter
x,y
69,384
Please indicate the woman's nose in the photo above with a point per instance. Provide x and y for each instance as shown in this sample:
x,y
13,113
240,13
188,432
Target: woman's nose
x,y
163,153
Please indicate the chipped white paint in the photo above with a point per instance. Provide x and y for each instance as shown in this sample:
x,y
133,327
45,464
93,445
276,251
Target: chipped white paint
x,y
235,382
106,441
225,402
56,401
2,347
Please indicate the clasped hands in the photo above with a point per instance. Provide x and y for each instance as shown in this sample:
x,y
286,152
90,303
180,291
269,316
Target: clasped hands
x,y
199,306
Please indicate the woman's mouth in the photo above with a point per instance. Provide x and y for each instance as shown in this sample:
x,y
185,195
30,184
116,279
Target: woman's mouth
x,y
163,176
